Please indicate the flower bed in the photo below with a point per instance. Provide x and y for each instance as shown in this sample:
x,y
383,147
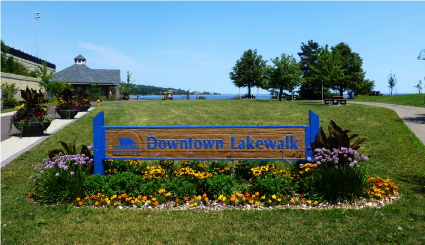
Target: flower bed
x,y
332,178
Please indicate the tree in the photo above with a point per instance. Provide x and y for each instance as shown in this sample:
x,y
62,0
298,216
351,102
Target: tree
x,y
4,47
351,63
94,90
45,78
312,83
284,75
129,85
58,87
364,87
249,71
392,81
328,67
419,87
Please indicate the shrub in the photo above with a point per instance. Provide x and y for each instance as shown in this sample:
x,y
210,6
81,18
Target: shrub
x,y
8,94
124,182
61,179
270,181
181,187
335,184
221,184
95,184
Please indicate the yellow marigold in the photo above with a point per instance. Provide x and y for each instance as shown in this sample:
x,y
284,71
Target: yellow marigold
x,y
257,203
316,202
107,202
96,203
274,197
256,193
223,199
263,197
206,199
292,200
115,203
191,205
168,194
251,201
80,203
253,196
132,201
149,201
195,204
270,201
279,200
78,199
220,197
309,201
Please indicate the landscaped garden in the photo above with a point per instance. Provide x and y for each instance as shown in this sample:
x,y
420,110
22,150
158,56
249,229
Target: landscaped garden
x,y
404,99
59,202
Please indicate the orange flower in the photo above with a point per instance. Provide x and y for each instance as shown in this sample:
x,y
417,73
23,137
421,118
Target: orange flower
x,y
78,199
87,197
80,203
155,203
124,195
96,203
186,198
206,199
302,201
389,195
177,200
191,200
247,194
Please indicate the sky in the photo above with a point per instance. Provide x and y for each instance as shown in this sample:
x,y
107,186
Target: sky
x,y
194,45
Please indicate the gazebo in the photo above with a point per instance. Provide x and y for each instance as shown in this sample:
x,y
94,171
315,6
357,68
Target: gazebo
x,y
81,76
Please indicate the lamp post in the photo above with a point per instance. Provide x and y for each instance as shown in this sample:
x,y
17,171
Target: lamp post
x,y
37,16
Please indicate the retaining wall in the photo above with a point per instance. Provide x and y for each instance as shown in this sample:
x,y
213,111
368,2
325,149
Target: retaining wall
x,y
21,82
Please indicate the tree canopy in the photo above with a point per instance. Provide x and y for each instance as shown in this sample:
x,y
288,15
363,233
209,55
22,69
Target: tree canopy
x,y
312,83
249,70
285,74
392,81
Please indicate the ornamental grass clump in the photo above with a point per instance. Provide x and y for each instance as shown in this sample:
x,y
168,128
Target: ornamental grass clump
x,y
61,178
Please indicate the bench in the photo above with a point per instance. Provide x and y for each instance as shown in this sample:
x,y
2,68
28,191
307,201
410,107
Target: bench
x,y
336,101
289,97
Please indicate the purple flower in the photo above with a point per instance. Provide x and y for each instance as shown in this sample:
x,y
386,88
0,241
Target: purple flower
x,y
57,174
72,173
309,159
30,177
351,165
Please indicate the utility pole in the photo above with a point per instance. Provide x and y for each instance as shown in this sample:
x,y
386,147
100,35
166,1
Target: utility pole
x,y
37,16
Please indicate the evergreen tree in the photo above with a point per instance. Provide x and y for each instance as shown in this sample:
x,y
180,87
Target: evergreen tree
x,y
312,85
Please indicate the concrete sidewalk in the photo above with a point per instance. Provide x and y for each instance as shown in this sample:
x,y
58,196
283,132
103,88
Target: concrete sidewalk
x,y
15,146
413,117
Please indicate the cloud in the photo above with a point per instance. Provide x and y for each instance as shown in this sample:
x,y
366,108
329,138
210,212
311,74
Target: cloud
x,y
109,56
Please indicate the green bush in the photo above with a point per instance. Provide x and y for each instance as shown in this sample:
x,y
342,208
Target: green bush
x,y
124,182
181,187
270,184
221,185
334,184
8,94
95,184
149,187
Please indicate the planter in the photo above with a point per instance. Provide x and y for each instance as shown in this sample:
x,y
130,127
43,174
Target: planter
x,y
67,114
85,107
32,129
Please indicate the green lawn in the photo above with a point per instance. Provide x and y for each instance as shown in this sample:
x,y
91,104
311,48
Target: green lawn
x,y
394,153
406,99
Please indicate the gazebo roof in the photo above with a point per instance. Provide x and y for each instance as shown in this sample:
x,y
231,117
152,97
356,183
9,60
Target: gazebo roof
x,y
79,57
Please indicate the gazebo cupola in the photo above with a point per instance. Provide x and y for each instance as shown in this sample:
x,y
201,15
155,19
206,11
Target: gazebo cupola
x,y
80,60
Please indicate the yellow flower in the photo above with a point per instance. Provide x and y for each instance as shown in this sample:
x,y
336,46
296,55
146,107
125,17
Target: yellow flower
x,y
309,201
256,193
153,199
316,202
224,199
274,197
195,204
191,205
80,203
149,201
257,203
270,201
292,200
263,197
279,200
115,203
96,203
168,194
107,202
78,199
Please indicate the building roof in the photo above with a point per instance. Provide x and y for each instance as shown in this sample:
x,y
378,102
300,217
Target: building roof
x,y
80,73
79,57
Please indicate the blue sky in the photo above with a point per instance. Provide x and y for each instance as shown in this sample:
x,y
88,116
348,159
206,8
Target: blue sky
x,y
194,45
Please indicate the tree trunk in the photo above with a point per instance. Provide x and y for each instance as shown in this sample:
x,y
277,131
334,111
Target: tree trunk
x,y
341,92
249,92
280,94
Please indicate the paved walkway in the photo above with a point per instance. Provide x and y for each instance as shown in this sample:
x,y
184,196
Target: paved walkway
x,y
14,146
413,117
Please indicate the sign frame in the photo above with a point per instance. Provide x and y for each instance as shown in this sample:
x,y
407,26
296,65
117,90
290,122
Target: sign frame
x,y
100,148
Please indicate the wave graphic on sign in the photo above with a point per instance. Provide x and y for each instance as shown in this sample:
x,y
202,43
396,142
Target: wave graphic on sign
x,y
126,144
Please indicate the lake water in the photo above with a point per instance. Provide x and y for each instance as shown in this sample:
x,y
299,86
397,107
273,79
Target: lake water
x,y
193,97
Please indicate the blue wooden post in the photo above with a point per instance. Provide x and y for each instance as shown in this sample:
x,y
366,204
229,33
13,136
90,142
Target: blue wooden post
x,y
314,128
99,143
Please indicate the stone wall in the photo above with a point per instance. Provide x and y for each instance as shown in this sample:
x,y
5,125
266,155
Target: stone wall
x,y
21,82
